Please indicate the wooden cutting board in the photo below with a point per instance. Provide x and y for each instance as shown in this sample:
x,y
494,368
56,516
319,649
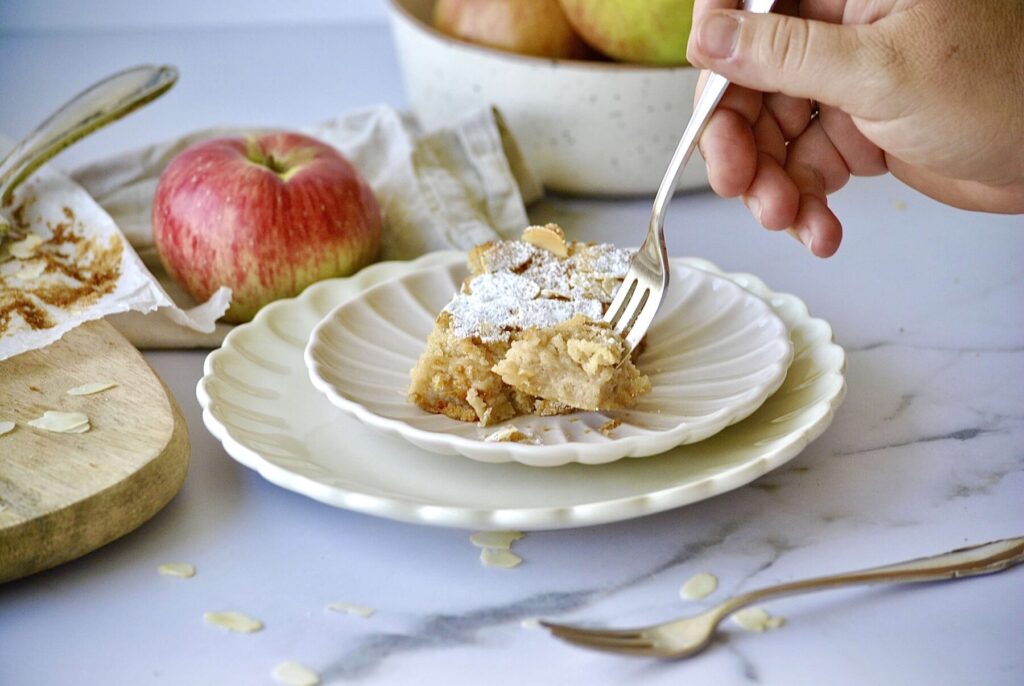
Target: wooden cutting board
x,y
64,495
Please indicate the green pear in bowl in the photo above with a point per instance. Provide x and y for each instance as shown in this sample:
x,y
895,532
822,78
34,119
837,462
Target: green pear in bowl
x,y
641,31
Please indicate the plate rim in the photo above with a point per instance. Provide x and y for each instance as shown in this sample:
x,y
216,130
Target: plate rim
x,y
558,454
534,518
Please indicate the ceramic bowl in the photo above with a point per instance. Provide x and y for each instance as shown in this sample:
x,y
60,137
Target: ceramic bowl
x,y
586,127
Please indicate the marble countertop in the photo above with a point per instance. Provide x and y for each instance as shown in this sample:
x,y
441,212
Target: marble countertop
x,y
924,456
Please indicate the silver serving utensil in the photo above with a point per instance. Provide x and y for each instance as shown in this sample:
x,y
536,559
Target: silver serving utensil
x,y
92,109
637,300
690,635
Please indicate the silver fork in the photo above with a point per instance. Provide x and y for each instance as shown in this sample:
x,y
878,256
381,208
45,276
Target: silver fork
x,y
690,635
637,300
100,104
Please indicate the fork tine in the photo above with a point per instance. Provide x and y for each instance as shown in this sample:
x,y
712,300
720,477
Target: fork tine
x,y
627,649
606,641
642,320
620,304
582,631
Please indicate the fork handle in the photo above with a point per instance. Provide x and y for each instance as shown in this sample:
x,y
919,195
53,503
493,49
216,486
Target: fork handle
x,y
985,558
93,108
714,89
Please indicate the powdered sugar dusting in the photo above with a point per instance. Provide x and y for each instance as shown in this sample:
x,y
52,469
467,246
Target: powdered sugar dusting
x,y
525,286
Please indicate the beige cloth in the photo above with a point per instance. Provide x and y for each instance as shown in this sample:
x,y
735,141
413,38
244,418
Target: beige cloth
x,y
447,189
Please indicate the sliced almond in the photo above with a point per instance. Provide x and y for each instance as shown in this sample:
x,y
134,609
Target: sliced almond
x,y
757,619
61,422
699,586
350,609
182,570
550,237
499,557
495,539
292,673
233,621
31,270
90,388
26,247
6,428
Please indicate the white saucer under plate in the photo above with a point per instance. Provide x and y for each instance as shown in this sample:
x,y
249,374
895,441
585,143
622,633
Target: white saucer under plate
x,y
258,401
714,355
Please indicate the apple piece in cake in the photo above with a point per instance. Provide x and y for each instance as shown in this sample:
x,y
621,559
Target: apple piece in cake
x,y
580,363
523,335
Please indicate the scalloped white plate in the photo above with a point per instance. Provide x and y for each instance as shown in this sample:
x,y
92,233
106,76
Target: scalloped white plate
x,y
714,355
258,401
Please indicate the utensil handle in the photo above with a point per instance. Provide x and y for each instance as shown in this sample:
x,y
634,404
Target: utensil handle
x,y
986,558
95,107
714,89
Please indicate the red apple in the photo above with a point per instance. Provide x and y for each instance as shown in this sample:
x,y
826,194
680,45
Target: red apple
x,y
528,27
265,215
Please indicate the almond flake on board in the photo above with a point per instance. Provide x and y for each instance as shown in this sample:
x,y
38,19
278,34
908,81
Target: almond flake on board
x,y
182,570
350,609
61,422
699,586
292,673
6,428
233,621
90,388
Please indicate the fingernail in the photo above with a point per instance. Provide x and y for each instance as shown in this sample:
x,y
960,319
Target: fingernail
x,y
718,34
754,205
805,236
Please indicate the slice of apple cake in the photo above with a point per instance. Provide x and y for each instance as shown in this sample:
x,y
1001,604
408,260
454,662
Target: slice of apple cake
x,y
524,335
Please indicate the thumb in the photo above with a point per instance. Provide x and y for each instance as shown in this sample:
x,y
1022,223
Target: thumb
x,y
838,65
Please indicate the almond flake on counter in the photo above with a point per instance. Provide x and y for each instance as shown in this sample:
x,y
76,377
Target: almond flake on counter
x,y
6,428
699,586
495,539
182,570
294,674
757,619
233,621
26,247
501,558
609,426
61,422
31,270
90,388
350,609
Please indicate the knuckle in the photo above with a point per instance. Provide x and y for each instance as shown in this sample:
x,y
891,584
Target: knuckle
x,y
786,46
887,66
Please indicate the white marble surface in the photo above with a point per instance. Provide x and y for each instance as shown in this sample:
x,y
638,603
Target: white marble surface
x,y
925,455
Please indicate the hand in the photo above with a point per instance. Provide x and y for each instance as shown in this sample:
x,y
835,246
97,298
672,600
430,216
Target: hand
x,y
929,90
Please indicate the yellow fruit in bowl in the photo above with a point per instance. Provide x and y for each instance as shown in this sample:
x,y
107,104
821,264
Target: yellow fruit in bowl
x,y
643,31
527,27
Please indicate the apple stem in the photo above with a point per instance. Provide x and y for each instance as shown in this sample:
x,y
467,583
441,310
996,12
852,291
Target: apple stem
x,y
255,154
